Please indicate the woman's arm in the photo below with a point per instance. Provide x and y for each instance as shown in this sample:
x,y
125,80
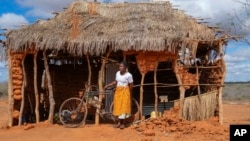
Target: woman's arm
x,y
131,88
110,84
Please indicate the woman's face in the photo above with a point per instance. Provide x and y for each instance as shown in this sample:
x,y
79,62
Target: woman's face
x,y
122,68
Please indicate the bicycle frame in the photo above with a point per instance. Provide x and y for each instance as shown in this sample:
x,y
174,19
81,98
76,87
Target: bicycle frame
x,y
73,111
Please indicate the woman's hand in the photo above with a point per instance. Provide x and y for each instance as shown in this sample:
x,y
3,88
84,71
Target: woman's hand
x,y
110,84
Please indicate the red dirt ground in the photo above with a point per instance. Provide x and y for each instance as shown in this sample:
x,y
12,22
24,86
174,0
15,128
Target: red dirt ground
x,y
166,128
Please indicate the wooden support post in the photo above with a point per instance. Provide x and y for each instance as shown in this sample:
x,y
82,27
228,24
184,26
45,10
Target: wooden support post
x,y
89,70
36,88
194,52
182,96
198,82
155,89
141,93
181,88
100,85
220,105
124,57
10,90
50,88
23,91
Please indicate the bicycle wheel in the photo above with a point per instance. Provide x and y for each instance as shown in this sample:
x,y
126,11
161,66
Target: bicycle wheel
x,y
73,112
135,112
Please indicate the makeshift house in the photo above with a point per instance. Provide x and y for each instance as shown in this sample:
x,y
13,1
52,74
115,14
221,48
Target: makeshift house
x,y
171,55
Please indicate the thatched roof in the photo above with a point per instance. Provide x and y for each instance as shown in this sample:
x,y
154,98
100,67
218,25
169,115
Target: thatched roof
x,y
91,27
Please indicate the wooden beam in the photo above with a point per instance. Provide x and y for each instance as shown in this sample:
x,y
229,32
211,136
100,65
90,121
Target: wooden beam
x,y
10,90
202,67
155,90
175,85
181,88
220,105
50,88
124,57
36,88
141,93
165,69
100,85
89,70
23,91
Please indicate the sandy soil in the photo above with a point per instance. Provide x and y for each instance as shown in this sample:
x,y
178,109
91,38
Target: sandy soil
x,y
167,128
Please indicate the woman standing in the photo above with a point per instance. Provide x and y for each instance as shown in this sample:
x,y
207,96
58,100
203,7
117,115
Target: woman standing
x,y
122,97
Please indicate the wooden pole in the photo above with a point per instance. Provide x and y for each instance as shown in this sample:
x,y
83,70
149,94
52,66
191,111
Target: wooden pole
x,y
198,82
174,85
141,93
100,85
124,57
23,88
181,88
50,88
89,70
10,90
155,89
220,105
36,88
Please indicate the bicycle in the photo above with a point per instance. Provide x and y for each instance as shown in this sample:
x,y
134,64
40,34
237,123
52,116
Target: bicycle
x,y
73,111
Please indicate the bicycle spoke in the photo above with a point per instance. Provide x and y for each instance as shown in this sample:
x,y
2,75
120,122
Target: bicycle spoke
x,y
71,114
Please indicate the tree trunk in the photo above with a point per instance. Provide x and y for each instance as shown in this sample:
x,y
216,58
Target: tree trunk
x,y
23,90
36,88
10,91
100,85
155,90
141,93
50,88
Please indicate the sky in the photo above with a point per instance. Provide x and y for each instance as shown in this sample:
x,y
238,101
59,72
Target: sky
x,y
15,13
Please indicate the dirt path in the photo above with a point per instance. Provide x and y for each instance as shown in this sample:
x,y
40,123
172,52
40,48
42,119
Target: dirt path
x,y
204,130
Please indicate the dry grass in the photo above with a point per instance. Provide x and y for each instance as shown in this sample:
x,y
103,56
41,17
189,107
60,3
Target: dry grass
x,y
92,27
195,109
236,91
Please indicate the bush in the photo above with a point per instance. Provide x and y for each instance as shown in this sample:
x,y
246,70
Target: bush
x,y
3,89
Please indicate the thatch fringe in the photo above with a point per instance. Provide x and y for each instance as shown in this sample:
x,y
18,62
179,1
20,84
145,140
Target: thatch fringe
x,y
92,27
195,109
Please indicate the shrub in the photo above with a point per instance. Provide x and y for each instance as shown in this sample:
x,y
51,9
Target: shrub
x,y
3,89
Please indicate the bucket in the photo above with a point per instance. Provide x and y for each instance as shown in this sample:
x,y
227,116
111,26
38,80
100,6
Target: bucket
x,y
155,114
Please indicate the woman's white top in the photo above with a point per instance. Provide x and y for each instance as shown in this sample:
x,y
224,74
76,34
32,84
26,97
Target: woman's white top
x,y
123,80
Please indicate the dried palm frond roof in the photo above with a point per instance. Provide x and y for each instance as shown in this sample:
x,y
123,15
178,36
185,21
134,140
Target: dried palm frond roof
x,y
91,27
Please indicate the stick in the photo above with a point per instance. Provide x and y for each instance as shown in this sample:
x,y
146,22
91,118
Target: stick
x,y
155,89
50,88
220,89
89,70
141,94
100,84
181,88
23,88
174,85
10,91
36,88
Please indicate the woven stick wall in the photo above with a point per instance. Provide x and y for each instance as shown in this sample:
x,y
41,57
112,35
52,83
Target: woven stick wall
x,y
195,109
